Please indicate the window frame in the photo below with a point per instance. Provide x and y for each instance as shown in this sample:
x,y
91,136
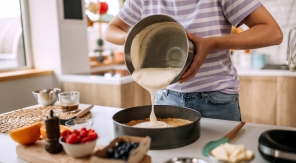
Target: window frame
x,y
25,21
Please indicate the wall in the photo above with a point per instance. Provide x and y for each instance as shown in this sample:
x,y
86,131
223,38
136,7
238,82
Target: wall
x,y
284,12
56,44
16,94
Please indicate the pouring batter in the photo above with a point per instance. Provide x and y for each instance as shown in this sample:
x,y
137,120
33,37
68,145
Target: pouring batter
x,y
153,79
211,84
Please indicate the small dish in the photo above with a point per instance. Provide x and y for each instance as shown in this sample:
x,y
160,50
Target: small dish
x,y
185,160
46,97
215,160
79,123
78,150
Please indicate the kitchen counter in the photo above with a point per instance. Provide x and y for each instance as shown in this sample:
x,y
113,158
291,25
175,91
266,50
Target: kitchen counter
x,y
117,80
211,129
98,79
264,72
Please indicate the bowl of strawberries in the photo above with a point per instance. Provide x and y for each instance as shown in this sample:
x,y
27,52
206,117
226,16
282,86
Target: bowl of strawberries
x,y
79,143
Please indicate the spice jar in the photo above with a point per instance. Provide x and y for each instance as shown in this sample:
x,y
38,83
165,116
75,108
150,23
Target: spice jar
x,y
52,125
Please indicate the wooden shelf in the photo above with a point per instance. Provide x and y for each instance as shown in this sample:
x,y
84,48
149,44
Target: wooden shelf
x,y
94,63
20,74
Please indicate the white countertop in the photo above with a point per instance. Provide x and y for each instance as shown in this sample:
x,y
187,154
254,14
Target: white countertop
x,y
211,129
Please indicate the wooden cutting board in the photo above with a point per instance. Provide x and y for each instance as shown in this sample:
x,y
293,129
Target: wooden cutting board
x,y
36,153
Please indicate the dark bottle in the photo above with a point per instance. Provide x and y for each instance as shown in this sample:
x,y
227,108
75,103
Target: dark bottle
x,y
52,125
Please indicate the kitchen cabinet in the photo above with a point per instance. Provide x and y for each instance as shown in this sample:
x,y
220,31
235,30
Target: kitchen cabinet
x,y
257,97
121,95
286,101
266,97
268,100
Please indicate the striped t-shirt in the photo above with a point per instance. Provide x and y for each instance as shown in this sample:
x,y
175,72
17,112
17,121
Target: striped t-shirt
x,y
203,18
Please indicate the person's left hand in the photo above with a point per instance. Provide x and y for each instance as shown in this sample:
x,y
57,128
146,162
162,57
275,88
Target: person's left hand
x,y
203,46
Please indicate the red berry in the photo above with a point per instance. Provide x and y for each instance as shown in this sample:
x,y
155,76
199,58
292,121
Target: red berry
x,y
83,133
79,138
83,128
85,139
92,135
76,132
66,133
91,130
72,139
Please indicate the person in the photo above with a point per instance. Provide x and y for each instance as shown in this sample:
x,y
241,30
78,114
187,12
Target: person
x,y
211,83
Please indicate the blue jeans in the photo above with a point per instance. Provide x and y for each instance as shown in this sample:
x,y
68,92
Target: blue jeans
x,y
214,104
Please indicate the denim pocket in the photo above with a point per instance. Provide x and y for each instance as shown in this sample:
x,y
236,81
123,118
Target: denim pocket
x,y
219,98
159,94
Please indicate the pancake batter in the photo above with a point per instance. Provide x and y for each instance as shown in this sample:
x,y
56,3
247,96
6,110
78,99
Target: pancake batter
x,y
153,79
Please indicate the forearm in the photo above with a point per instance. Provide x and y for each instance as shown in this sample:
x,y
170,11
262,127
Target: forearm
x,y
116,31
258,36
115,35
263,31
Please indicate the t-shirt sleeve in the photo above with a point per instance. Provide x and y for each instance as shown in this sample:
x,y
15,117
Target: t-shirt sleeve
x,y
236,11
131,11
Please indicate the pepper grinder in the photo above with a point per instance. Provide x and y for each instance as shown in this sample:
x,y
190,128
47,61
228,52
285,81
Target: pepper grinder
x,y
52,125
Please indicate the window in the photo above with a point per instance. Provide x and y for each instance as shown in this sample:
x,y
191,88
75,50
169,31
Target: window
x,y
12,49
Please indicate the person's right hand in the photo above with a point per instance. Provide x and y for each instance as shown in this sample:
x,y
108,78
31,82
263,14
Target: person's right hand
x,y
203,46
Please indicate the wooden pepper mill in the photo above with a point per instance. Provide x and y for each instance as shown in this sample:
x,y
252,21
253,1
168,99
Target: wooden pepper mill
x,y
52,124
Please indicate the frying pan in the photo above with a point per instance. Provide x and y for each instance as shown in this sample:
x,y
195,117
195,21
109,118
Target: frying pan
x,y
278,146
161,138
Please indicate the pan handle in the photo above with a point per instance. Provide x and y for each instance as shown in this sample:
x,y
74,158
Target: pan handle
x,y
233,132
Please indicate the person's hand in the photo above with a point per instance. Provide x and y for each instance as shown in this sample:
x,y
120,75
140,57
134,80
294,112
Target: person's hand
x,y
203,46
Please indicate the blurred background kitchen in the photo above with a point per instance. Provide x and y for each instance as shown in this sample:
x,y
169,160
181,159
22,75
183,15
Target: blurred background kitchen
x,y
58,44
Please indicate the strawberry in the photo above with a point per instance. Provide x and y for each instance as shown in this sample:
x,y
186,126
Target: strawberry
x,y
76,132
85,139
92,135
83,133
72,139
66,133
91,130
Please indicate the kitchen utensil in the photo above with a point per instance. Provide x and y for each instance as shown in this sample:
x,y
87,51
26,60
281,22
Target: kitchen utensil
x,y
46,97
185,160
79,123
291,50
278,146
212,144
163,46
69,101
79,114
161,138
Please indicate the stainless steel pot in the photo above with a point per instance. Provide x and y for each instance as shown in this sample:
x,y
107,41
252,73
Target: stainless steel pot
x,y
46,97
167,46
161,138
278,146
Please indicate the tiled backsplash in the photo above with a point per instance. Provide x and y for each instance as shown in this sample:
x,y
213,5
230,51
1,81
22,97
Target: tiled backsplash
x,y
284,12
